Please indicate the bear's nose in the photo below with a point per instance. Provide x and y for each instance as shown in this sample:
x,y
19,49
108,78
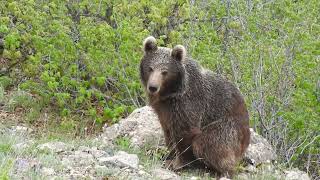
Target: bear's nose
x,y
153,89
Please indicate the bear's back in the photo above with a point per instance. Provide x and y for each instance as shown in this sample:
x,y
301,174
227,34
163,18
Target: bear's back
x,y
216,97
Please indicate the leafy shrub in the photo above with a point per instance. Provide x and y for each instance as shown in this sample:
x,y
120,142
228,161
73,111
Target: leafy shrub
x,y
26,102
5,82
78,63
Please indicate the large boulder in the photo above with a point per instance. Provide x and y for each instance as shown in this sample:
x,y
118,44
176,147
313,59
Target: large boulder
x,y
55,147
121,159
164,174
296,174
141,126
259,150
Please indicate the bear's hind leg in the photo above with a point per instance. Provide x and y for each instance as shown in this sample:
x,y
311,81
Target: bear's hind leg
x,y
217,148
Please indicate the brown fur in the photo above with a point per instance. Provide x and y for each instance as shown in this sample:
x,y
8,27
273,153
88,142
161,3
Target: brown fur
x,y
203,116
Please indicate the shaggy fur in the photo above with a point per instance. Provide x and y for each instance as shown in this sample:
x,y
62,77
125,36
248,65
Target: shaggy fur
x,y
203,116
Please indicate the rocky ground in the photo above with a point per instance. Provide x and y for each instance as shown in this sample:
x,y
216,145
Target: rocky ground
x,y
131,149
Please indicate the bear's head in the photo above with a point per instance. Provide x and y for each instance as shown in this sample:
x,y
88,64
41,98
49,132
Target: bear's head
x,y
162,70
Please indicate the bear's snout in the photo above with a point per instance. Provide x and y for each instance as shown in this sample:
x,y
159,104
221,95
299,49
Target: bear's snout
x,y
154,82
152,89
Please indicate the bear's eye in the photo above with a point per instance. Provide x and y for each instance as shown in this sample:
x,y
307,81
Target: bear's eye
x,y
150,69
164,73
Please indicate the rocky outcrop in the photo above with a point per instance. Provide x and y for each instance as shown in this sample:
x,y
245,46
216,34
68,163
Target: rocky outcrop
x,y
141,126
107,162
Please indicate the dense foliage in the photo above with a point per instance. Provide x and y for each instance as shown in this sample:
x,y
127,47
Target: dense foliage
x,y
81,57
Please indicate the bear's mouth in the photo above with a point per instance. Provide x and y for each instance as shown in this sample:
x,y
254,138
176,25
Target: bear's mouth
x,y
153,98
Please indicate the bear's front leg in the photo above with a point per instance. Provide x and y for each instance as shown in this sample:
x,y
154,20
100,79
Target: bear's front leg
x,y
169,144
184,154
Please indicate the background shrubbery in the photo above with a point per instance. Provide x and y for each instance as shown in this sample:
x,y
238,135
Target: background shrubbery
x,y
81,58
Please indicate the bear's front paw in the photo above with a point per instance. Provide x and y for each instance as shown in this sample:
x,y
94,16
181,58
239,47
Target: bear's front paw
x,y
174,164
168,164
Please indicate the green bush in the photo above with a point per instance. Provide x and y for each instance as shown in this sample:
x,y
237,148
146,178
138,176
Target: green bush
x,y
5,82
82,58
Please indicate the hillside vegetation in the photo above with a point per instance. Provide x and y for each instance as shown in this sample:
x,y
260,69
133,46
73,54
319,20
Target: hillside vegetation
x,y
80,60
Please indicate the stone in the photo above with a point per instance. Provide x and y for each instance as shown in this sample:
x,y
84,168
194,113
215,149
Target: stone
x,y
104,171
141,172
164,174
23,165
98,153
224,178
131,174
259,150
23,145
296,174
21,129
47,171
121,159
194,178
66,162
55,147
94,151
243,176
78,159
74,174
251,169
84,149
141,126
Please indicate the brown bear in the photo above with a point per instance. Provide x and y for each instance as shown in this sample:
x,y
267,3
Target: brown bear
x,y
203,116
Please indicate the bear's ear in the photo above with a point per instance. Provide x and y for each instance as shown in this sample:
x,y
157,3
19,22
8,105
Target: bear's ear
x,y
179,53
150,44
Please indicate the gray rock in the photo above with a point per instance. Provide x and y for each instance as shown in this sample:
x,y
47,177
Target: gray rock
x,y
74,174
55,147
84,149
141,172
79,172
66,162
93,150
23,145
141,126
164,174
21,129
78,159
131,174
296,174
243,176
251,169
23,165
98,153
47,171
194,178
120,159
103,170
224,178
259,150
